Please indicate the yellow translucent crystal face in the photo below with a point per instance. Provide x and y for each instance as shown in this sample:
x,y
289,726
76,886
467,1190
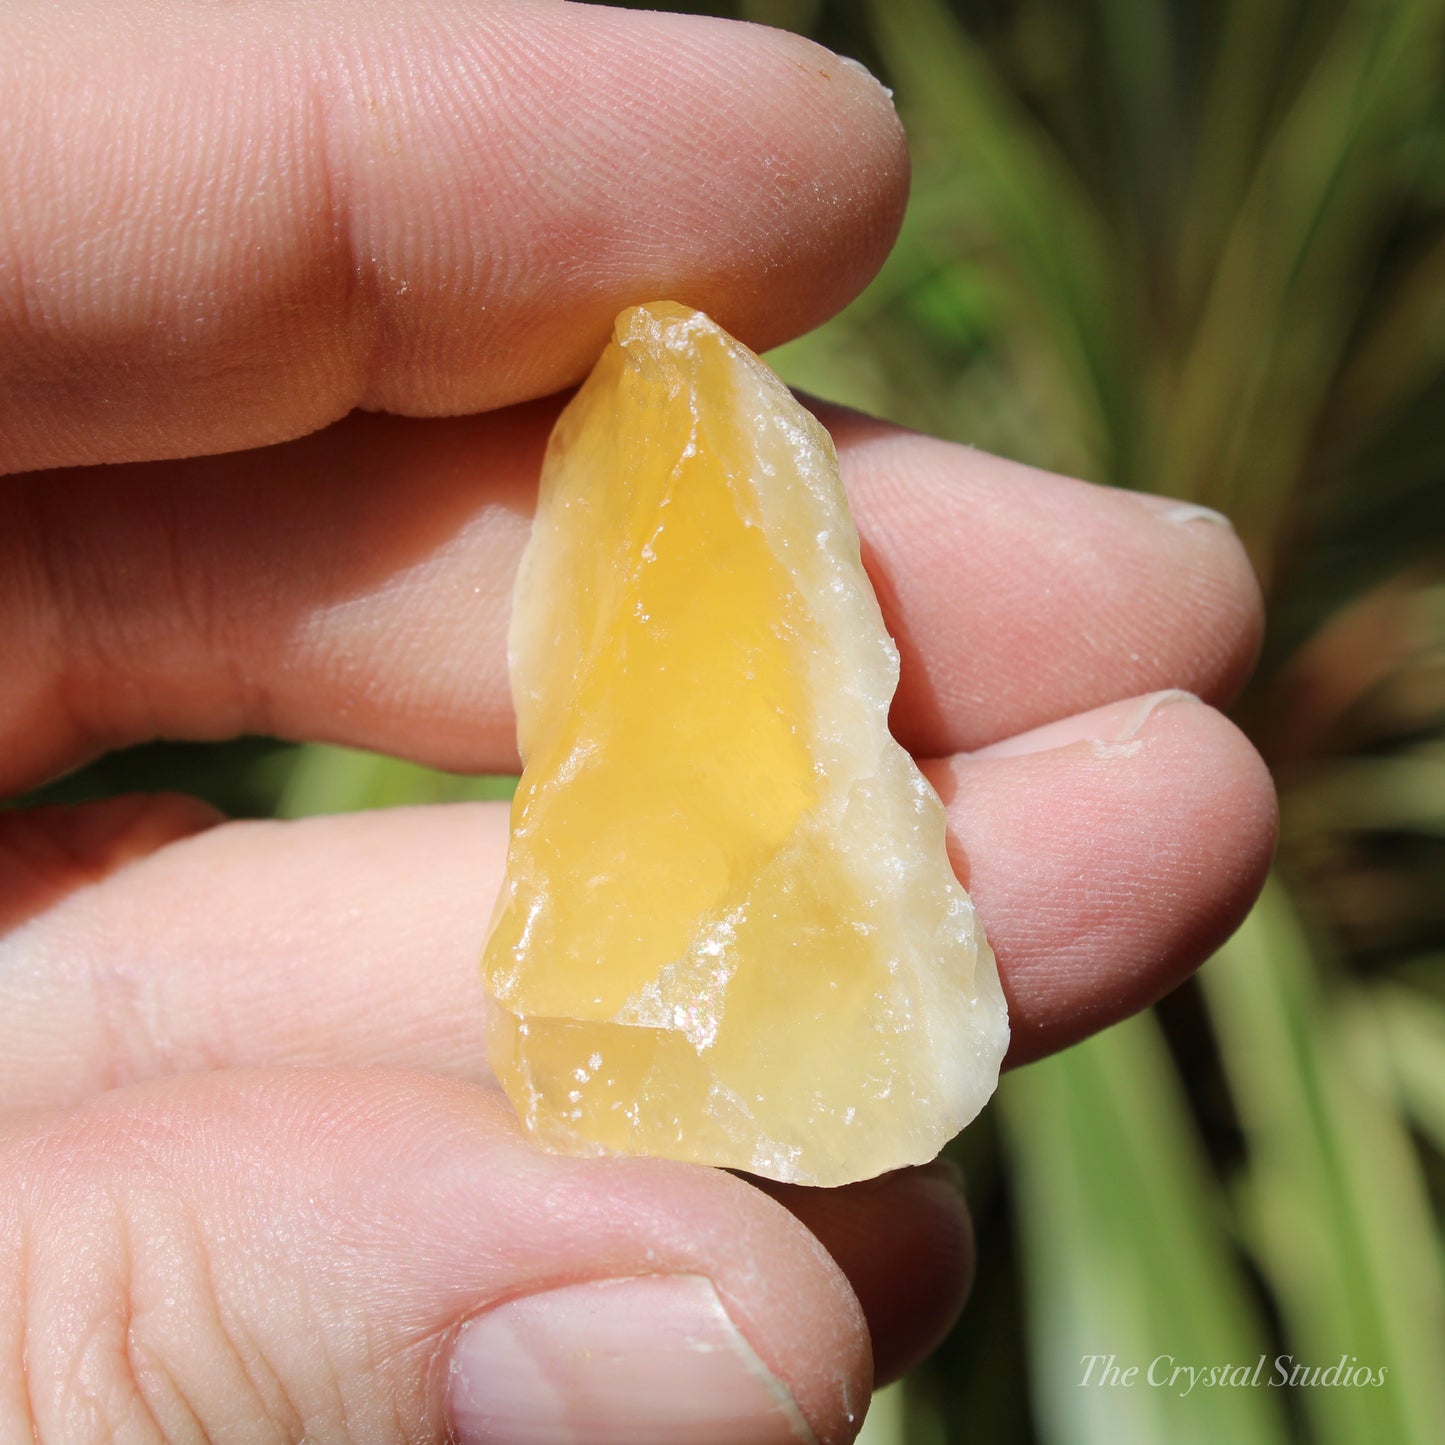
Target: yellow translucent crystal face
x,y
729,931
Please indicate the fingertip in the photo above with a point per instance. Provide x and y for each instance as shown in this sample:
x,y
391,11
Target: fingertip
x,y
1108,856
734,167
1227,599
852,168
905,1242
981,563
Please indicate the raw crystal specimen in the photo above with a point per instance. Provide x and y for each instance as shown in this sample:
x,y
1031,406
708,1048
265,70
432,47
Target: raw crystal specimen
x,y
729,931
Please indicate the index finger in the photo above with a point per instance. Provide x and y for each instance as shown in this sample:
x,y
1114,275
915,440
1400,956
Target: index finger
x,y
267,215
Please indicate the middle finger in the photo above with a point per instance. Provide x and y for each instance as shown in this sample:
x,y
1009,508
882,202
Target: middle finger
x,y
354,587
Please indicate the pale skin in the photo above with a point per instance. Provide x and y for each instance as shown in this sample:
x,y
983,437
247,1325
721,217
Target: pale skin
x,y
373,239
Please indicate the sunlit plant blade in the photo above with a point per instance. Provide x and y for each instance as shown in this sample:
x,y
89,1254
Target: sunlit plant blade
x,y
1412,1026
324,779
1048,245
1332,1200
1291,275
1125,1251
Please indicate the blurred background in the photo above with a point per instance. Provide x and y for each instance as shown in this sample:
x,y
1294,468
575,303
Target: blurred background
x,y
1196,248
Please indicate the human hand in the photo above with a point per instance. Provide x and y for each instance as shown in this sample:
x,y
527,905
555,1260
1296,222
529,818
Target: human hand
x,y
227,227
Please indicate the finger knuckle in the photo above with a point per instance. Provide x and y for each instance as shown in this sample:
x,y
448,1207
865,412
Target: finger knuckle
x,y
120,1337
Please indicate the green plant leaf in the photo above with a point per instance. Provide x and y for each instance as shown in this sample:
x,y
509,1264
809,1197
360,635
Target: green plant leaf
x,y
1125,1249
1293,271
1046,240
1412,1029
324,779
1333,1201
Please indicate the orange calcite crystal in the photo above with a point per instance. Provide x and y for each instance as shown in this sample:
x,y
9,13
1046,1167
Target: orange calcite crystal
x,y
729,931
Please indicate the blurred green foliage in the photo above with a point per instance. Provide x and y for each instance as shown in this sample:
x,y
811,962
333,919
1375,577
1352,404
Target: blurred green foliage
x,y
1198,249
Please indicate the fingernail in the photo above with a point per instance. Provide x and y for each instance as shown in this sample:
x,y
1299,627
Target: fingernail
x,y
1169,509
1193,512
862,69
1113,731
648,1361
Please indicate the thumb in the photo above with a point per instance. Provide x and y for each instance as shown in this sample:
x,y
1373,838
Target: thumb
x,y
377,1256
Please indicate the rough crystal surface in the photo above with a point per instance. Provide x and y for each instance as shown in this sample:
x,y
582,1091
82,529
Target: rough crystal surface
x,y
729,932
